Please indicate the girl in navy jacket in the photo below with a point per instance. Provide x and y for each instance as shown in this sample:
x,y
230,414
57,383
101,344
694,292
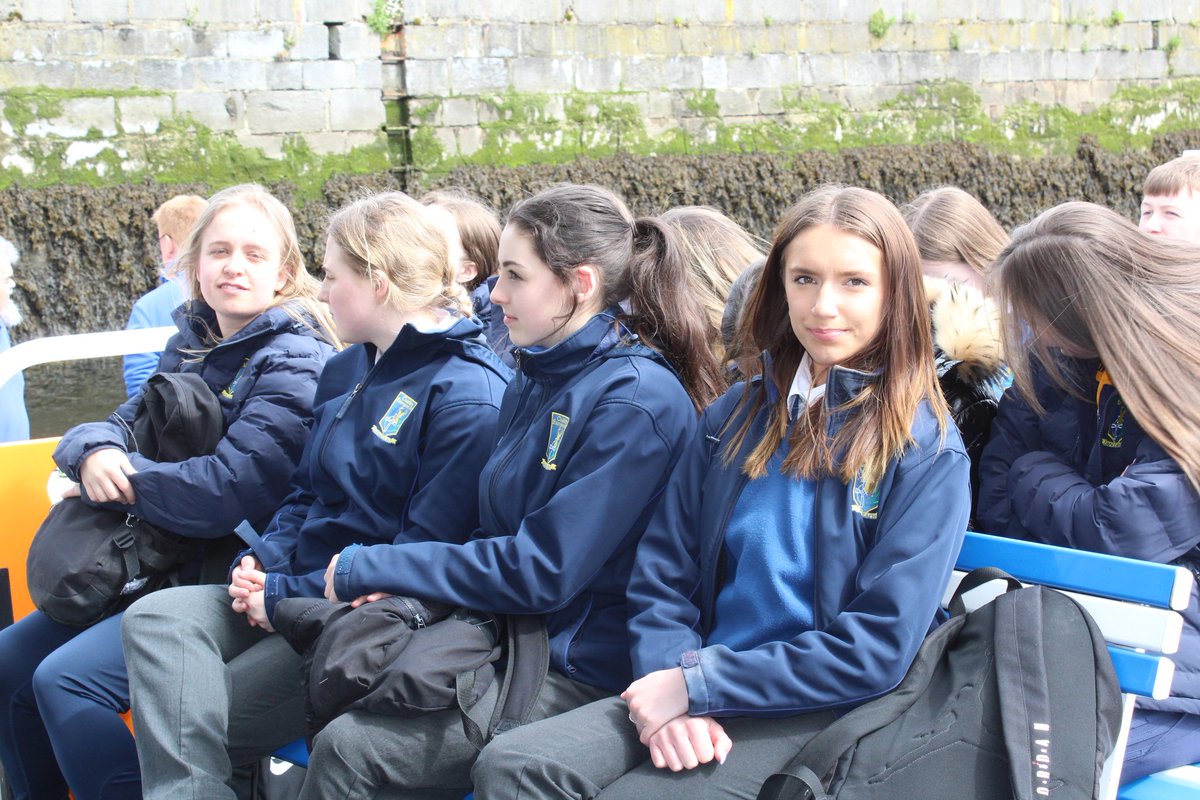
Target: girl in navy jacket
x,y
613,365
1100,447
256,338
797,559
405,419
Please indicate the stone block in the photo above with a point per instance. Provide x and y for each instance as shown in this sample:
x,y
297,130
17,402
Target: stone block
x,y
218,111
255,44
477,75
501,40
681,73
469,140
872,68
151,10
714,73
923,67
597,74
435,41
84,114
312,43
355,110
427,78
46,11
355,41
458,111
737,103
100,10
964,67
143,114
823,69
392,74
1153,64
1083,66
1026,65
82,151
193,43
368,74
328,142
285,74
214,73
226,12
851,38
74,42
285,112
165,74
279,11
107,74
642,74
271,145
329,75
993,67
59,75
539,75
535,40
1056,66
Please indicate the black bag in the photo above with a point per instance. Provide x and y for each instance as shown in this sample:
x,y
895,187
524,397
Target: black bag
x,y
1017,699
405,657
87,563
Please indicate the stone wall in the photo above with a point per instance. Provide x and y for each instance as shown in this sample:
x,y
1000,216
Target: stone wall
x,y
99,82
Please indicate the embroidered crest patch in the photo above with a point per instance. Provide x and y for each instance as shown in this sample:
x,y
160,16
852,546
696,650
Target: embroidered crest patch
x,y
389,424
864,499
237,378
1115,435
558,426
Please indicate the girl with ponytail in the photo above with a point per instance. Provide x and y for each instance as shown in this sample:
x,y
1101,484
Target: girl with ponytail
x,y
613,368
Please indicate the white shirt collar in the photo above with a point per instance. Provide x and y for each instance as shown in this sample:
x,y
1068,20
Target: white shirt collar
x,y
802,392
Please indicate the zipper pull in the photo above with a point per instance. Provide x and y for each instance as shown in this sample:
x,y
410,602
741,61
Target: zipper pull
x,y
346,404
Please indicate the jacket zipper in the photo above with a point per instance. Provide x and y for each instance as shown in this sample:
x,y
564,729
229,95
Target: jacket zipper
x,y
511,452
417,618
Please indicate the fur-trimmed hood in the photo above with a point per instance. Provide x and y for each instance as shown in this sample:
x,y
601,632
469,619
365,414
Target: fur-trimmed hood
x,y
966,331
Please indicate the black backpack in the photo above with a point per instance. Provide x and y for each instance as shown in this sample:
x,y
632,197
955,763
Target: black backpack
x,y
86,563
1017,699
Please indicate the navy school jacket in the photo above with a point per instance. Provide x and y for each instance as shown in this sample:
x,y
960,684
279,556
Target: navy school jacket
x,y
589,432
264,377
881,561
394,457
1085,475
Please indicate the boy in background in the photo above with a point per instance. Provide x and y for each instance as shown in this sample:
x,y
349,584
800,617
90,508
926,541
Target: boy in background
x,y
1171,199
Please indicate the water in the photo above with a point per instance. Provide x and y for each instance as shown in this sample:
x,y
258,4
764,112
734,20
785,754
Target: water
x,y
67,393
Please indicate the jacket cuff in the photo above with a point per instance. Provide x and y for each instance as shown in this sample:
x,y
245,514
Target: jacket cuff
x,y
697,687
341,574
272,592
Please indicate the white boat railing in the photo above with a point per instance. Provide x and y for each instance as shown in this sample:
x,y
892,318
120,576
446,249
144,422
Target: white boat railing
x,y
77,346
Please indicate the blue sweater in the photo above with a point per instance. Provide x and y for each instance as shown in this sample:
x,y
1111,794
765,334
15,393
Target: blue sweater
x,y
880,562
264,377
590,430
1086,475
152,310
14,419
394,457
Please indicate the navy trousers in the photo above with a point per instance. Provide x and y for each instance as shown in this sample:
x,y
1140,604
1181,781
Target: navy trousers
x,y
1160,740
62,690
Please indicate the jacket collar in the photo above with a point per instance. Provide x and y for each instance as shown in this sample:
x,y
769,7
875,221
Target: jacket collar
x,y
842,385
595,340
197,321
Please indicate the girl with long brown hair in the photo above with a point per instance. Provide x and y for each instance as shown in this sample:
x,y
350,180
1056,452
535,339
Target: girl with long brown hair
x,y
1099,446
798,557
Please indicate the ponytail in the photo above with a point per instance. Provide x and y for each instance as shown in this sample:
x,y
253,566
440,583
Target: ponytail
x,y
666,313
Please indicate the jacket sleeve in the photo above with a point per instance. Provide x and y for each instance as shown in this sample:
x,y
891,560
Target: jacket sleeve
x,y
1149,512
442,507
1014,434
138,367
868,646
664,587
623,459
81,441
248,474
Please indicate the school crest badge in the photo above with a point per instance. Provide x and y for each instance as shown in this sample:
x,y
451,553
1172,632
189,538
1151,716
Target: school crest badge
x,y
1115,435
864,499
237,378
389,424
558,426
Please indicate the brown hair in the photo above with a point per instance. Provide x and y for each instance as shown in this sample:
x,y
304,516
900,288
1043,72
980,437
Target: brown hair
x,y
394,234
1104,287
176,217
1174,177
478,227
950,225
718,250
638,261
299,293
901,352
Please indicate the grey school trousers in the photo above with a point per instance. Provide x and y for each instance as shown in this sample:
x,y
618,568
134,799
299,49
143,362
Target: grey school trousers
x,y
361,755
208,692
594,751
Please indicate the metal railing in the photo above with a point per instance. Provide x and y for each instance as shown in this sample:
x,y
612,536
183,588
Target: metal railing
x,y
78,346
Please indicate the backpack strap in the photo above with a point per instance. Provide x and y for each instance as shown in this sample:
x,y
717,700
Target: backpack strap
x,y
973,580
528,649
793,782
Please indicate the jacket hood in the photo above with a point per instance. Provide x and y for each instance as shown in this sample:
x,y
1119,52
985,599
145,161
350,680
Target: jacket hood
x,y
198,323
966,330
463,339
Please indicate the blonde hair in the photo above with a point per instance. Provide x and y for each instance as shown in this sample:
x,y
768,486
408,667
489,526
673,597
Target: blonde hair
x,y
394,234
880,425
478,228
717,250
950,225
1104,287
298,297
176,217
1174,177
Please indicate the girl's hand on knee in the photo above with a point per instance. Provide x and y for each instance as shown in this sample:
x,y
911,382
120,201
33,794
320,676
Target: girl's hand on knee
x,y
655,700
687,742
105,476
247,577
256,612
